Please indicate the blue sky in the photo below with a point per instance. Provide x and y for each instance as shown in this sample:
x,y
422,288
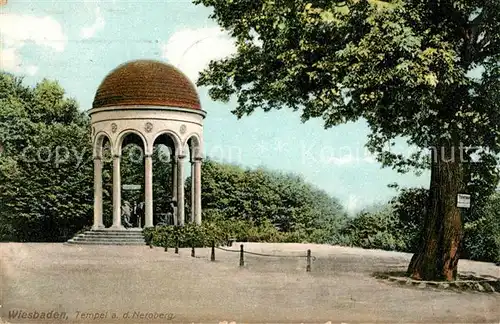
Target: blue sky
x,y
79,42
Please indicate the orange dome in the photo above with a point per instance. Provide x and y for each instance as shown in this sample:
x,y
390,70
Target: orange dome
x,y
146,82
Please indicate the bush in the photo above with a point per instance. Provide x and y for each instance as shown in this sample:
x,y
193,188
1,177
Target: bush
x,y
482,236
409,208
220,231
184,236
297,236
374,230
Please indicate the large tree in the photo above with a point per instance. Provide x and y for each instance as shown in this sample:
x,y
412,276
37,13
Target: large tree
x,y
45,163
420,70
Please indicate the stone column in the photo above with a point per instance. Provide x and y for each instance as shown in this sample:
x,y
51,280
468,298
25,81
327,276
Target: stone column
x,y
98,193
117,194
193,202
197,190
174,185
148,191
180,190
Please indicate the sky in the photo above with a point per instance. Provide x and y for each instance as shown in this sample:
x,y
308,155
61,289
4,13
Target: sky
x,y
79,42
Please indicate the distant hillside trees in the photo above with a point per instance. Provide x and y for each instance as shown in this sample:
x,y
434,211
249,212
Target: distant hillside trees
x,y
284,199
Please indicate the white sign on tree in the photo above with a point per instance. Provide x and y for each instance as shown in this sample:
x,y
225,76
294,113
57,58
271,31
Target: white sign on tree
x,y
463,201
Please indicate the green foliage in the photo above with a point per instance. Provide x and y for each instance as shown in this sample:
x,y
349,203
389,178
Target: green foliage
x,y
399,226
184,236
409,208
403,66
482,233
46,166
216,228
375,230
427,72
481,224
257,195
162,179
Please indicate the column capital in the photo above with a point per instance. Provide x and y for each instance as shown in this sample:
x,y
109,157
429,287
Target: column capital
x,y
98,158
196,160
181,156
117,156
148,156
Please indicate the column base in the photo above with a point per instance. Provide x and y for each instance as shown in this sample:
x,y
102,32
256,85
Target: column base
x,y
117,227
98,227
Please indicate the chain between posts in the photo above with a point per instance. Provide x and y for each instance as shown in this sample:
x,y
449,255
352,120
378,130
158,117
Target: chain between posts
x,y
313,258
308,256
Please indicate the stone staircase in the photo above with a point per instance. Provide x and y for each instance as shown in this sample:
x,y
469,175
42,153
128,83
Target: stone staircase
x,y
129,236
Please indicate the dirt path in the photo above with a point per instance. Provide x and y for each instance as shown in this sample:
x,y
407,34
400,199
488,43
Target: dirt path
x,y
122,280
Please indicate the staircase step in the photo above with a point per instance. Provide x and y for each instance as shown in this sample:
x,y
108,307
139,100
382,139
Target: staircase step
x,y
109,237
104,243
85,238
114,232
110,230
104,240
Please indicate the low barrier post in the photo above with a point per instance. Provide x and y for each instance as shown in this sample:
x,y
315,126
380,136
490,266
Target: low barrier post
x,y
212,255
308,267
242,260
192,250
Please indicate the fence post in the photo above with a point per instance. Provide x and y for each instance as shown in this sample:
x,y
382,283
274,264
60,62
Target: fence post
x,y
308,267
166,243
192,250
212,255
176,245
242,260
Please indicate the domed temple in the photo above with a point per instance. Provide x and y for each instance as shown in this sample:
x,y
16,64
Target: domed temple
x,y
148,102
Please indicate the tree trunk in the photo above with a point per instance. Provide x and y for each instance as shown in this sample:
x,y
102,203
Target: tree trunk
x,y
442,233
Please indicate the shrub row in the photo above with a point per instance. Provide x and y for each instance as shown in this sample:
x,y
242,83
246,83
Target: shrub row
x,y
221,231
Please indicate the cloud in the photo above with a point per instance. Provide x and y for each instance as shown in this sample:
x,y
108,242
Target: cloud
x,y
18,30
31,69
346,159
191,50
99,23
370,159
9,59
351,157
353,204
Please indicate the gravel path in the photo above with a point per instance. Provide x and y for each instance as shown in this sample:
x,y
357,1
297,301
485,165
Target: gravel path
x,y
75,280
